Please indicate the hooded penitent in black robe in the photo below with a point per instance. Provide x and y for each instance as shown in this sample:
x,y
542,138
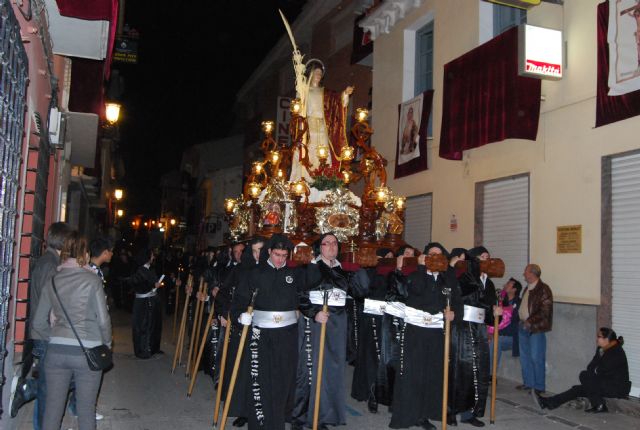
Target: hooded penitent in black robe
x,y
469,347
272,353
147,313
209,362
230,309
320,277
367,361
418,387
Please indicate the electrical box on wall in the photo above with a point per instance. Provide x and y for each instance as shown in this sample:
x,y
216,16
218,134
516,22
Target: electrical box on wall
x,y
520,4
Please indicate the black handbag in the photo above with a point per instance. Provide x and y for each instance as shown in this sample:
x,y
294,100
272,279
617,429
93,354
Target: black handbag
x,y
99,357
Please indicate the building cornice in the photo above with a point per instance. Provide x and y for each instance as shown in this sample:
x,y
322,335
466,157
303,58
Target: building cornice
x,y
382,19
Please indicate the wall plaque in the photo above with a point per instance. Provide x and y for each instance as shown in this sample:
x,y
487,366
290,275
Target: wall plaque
x,y
569,239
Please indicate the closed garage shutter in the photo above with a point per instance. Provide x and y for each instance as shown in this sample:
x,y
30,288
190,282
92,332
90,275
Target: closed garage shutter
x,y
417,225
505,224
625,232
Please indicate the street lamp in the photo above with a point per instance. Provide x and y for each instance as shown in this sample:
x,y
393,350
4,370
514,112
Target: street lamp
x,y
118,194
112,112
172,222
120,213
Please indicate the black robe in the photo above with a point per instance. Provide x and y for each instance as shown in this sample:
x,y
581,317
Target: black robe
x,y
332,394
272,352
231,309
367,363
209,361
147,314
469,347
393,333
418,388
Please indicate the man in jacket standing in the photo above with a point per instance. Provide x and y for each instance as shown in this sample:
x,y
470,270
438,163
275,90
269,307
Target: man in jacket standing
x,y
43,270
536,318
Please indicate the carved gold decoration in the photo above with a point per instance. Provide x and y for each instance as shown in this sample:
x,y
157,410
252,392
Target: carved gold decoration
x,y
240,219
272,211
338,216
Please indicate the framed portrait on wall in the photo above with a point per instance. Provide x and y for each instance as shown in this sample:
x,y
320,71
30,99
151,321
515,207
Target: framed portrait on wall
x,y
624,46
413,120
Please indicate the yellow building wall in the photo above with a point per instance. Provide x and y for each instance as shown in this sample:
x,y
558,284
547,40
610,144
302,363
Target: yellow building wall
x,y
564,164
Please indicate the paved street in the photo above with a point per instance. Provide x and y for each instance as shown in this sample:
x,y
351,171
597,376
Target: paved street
x,y
144,395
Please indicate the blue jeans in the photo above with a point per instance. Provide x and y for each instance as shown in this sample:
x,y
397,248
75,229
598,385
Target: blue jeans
x,y
40,351
533,350
505,343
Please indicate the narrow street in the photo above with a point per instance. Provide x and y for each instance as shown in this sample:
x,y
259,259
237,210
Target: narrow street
x,y
144,395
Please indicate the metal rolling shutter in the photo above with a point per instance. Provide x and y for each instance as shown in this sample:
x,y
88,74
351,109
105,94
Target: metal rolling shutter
x,y
417,226
625,255
505,229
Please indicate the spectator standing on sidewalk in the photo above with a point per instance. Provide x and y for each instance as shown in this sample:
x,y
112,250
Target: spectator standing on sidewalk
x,y
43,271
74,297
536,319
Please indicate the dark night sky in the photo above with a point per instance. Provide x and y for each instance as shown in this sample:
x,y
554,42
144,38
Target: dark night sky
x,y
193,58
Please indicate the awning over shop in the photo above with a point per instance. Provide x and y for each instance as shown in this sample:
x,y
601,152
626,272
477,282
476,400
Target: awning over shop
x,y
84,29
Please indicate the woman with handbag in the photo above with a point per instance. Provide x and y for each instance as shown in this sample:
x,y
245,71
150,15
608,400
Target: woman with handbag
x,y
74,305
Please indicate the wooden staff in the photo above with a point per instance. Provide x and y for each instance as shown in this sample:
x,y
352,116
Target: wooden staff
x,y
194,365
323,333
175,311
445,373
194,329
236,364
223,363
494,371
201,349
177,356
185,317
203,303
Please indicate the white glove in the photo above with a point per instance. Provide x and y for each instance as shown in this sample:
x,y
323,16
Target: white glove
x,y
245,318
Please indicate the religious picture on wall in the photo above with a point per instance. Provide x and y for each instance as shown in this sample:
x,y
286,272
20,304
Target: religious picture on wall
x,y
409,131
411,152
624,46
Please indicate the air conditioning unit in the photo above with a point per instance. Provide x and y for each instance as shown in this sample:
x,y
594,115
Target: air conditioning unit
x,y
520,4
56,127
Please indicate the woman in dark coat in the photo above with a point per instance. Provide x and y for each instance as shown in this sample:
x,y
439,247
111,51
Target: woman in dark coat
x,y
606,376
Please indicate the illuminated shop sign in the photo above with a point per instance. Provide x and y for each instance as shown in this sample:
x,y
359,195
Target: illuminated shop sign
x,y
540,52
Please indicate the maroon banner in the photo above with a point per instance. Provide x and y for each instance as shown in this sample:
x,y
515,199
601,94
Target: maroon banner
x,y
485,100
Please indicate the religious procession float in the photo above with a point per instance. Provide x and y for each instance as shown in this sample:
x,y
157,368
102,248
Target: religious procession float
x,y
305,189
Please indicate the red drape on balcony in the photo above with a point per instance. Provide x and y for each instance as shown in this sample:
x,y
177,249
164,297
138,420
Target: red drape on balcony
x,y
86,92
485,100
614,108
87,9
103,10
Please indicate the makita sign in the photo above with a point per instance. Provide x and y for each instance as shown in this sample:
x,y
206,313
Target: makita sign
x,y
541,68
540,52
